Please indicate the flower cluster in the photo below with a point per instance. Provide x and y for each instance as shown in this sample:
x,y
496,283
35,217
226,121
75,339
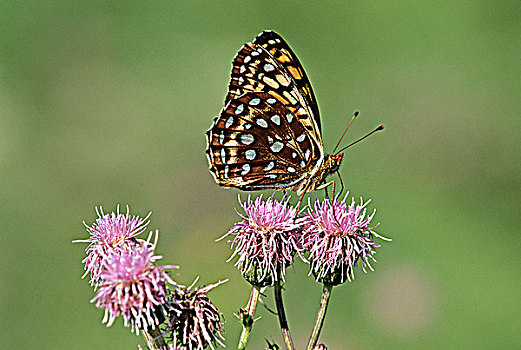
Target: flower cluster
x,y
129,283
333,235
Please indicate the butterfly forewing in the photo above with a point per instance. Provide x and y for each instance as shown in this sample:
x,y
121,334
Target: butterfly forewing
x,y
258,143
256,69
280,50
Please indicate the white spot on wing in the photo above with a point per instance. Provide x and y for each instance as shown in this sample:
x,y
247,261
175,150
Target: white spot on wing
x,y
247,59
229,122
250,154
270,166
221,137
255,101
242,69
276,119
271,100
268,67
289,117
226,169
245,169
291,169
301,137
307,154
261,122
239,109
271,176
223,155
302,164
247,139
277,146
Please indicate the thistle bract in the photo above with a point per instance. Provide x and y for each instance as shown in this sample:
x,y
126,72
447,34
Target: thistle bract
x,y
194,322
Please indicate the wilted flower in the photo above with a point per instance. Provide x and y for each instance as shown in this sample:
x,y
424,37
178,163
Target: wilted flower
x,y
266,240
110,232
338,236
194,322
132,286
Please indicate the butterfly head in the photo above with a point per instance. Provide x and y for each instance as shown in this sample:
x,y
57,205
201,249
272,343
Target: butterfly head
x,y
333,162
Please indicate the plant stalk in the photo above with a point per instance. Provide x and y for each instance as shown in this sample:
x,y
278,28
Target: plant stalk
x,y
321,314
282,317
247,317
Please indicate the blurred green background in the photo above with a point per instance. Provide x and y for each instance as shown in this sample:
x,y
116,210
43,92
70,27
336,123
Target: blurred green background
x,y
107,102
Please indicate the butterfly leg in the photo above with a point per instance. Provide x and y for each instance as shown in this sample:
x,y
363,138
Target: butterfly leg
x,y
299,203
302,197
327,184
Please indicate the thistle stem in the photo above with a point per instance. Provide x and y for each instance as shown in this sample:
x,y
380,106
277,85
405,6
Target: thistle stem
x,y
248,316
282,317
321,314
154,339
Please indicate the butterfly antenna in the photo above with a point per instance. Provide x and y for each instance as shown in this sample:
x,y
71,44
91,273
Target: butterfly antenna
x,y
381,127
344,134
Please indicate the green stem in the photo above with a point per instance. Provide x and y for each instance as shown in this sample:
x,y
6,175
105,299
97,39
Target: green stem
x,y
247,317
326,294
282,317
154,339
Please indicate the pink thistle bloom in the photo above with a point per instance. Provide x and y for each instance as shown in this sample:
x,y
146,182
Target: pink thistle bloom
x,y
112,231
266,240
194,322
337,237
131,285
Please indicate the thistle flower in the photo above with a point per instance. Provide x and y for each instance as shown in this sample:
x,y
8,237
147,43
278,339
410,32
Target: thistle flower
x,y
110,232
266,240
194,322
337,237
132,286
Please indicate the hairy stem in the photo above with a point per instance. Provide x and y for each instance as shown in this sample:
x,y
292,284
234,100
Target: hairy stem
x,y
282,317
321,314
247,317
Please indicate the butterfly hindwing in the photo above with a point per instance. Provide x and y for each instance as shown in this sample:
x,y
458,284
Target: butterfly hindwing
x,y
258,143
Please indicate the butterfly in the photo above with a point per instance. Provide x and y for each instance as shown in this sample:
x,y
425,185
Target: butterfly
x,y
267,136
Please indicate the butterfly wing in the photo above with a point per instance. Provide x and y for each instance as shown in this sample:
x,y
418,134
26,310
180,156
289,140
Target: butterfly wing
x,y
280,50
269,65
258,142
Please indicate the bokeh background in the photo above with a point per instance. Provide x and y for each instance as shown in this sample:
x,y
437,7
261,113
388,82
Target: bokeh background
x,y
107,102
